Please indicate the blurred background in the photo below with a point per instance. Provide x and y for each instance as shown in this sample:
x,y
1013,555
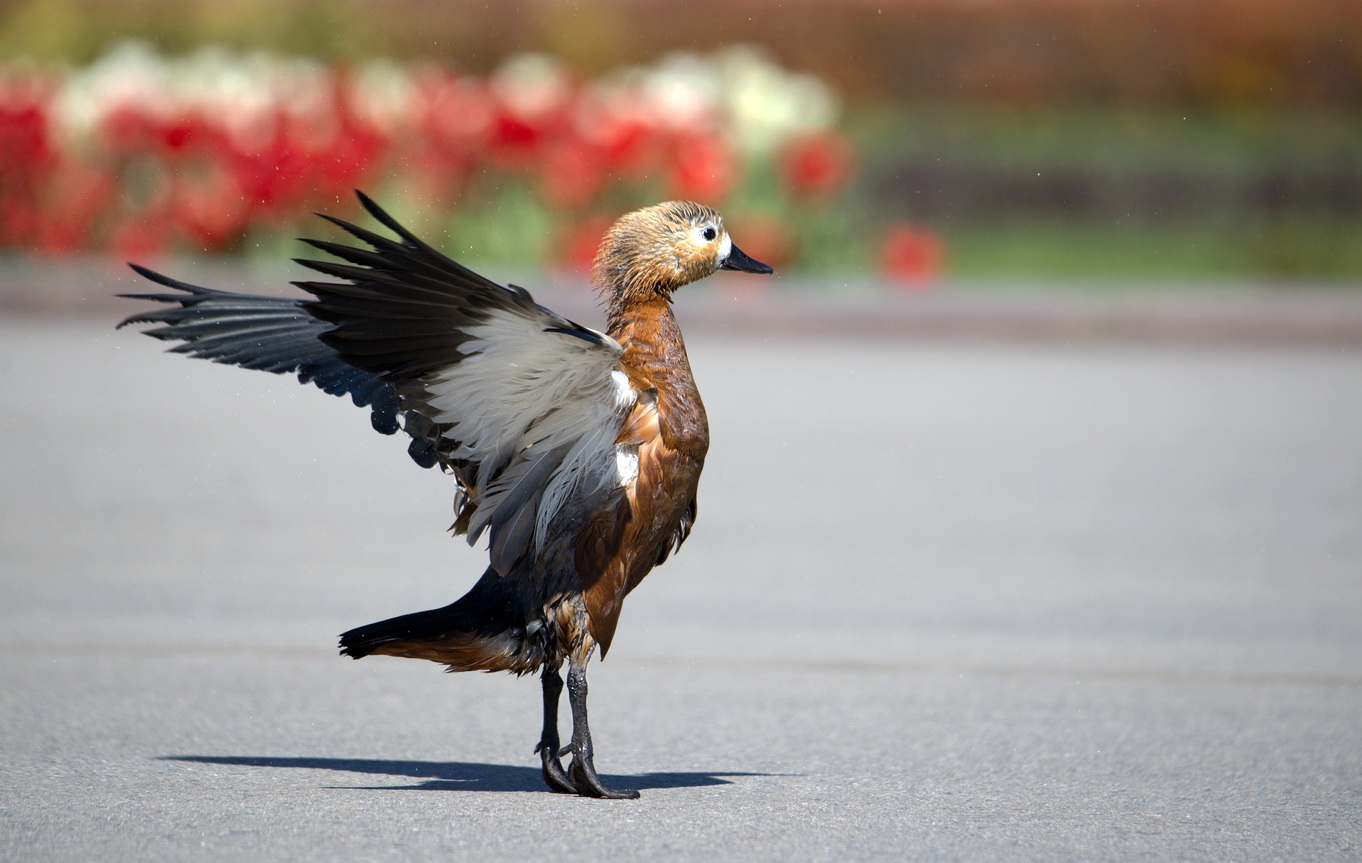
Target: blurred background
x,y
906,143
1030,527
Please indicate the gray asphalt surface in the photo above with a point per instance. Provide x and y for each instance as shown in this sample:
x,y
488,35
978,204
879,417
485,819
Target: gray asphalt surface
x,y
945,601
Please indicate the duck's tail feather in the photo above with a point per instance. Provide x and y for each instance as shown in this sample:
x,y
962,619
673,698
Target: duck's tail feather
x,y
485,630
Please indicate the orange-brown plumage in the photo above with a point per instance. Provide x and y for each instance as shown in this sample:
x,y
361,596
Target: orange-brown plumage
x,y
673,435
577,453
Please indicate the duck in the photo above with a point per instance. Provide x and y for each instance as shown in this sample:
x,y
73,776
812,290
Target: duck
x,y
576,452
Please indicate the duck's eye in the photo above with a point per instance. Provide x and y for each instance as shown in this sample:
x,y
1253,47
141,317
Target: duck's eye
x,y
709,233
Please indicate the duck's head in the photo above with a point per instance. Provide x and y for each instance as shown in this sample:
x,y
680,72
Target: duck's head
x,y
653,251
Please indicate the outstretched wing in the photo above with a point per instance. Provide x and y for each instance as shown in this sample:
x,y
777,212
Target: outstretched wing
x,y
272,334
527,405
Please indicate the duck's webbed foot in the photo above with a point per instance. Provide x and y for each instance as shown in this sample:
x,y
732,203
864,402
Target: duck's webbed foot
x,y
589,784
554,775
582,771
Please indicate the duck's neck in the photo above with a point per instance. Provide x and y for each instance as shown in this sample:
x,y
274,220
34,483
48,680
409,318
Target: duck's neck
x,y
626,307
655,358
648,331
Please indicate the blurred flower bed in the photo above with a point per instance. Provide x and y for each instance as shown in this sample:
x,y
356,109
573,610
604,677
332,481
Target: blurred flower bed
x,y
138,154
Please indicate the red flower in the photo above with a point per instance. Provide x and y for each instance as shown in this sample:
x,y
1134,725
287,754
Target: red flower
x,y
346,160
211,214
452,120
26,147
75,197
453,110
128,130
818,164
183,133
911,255
571,171
620,129
273,173
519,133
703,167
161,169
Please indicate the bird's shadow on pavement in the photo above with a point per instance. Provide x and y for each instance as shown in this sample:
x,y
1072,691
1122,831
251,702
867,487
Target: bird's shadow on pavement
x,y
457,775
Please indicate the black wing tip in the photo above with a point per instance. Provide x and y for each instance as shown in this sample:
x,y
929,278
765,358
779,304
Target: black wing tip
x,y
354,652
145,272
380,214
191,294
378,242
325,245
140,317
369,204
196,291
335,220
160,279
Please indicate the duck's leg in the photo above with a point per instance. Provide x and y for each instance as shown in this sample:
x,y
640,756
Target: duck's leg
x,y
554,775
582,771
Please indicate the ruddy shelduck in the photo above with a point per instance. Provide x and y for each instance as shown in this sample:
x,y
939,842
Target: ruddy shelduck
x,y
576,452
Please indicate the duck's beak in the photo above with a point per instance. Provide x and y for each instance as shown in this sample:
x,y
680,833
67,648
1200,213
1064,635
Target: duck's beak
x,y
738,260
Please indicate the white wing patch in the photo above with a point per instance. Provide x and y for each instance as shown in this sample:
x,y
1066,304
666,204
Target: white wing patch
x,y
626,465
538,413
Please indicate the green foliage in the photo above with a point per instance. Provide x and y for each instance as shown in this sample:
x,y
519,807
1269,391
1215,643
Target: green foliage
x,y
1289,248
1122,194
